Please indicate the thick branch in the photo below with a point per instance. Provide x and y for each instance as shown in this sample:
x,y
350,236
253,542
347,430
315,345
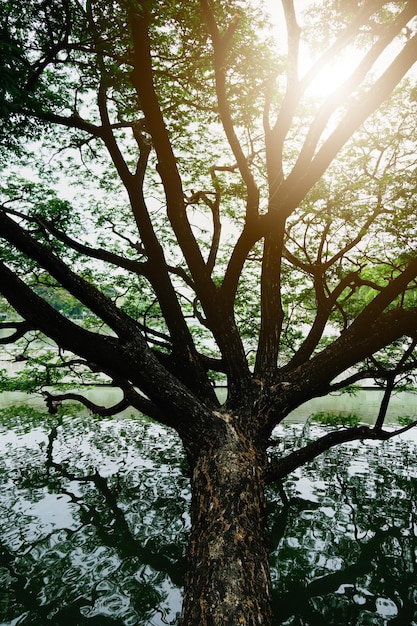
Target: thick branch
x,y
221,323
142,80
185,356
390,386
20,328
314,378
85,292
108,135
304,175
276,136
282,467
130,399
354,81
325,306
247,239
130,360
272,314
386,296
71,121
93,253
358,376
353,346
220,46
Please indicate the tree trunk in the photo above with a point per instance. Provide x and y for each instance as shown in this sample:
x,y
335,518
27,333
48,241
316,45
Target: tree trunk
x,y
228,578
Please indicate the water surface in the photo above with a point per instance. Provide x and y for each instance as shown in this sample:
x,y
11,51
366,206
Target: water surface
x,y
94,522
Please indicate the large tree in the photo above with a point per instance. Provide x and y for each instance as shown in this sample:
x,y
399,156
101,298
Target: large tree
x,y
234,225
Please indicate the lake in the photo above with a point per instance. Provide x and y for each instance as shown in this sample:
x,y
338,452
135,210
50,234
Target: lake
x,y
94,522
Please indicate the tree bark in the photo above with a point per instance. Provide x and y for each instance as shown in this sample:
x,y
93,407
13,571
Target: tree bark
x,y
228,578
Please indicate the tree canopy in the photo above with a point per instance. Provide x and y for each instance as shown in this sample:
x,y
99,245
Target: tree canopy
x,y
200,213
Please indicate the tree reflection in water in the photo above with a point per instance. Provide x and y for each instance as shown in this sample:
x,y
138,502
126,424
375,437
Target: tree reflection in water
x,y
344,542
94,524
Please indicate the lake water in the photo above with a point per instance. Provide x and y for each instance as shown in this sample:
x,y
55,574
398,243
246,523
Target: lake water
x,y
94,523
364,403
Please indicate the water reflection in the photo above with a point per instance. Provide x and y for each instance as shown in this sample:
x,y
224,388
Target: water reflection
x,y
345,539
94,522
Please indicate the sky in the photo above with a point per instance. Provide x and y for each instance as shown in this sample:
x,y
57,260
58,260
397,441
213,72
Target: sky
x,y
275,8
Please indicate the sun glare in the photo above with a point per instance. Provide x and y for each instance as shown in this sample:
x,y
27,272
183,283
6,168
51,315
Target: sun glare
x,y
336,71
332,75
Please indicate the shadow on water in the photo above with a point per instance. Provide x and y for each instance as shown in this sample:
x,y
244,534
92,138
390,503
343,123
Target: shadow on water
x,y
94,524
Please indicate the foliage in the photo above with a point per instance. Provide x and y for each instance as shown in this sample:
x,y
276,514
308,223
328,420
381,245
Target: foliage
x,y
336,419
94,46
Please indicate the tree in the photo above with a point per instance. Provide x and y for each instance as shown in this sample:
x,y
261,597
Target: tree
x,y
241,230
